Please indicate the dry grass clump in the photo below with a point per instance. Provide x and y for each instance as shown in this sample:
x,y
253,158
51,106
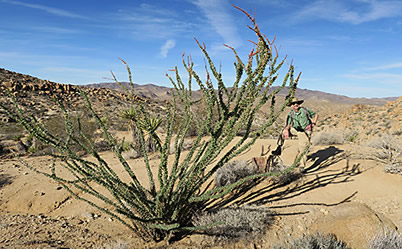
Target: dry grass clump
x,y
117,245
285,179
386,240
315,241
236,170
389,149
328,138
351,136
233,171
245,222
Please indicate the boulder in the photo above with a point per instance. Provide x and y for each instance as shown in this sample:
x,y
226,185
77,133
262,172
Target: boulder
x,y
8,84
354,223
131,154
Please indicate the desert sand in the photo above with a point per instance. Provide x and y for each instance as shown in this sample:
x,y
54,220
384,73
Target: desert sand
x,y
340,192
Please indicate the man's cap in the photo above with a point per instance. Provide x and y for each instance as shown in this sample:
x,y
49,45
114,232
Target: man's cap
x,y
295,101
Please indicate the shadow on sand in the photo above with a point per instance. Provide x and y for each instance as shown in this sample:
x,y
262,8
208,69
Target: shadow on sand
x,y
296,183
5,180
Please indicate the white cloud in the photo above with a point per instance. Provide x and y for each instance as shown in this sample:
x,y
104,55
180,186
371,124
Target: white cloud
x,y
345,38
56,30
355,12
150,21
219,17
387,76
169,44
385,67
381,78
51,10
274,3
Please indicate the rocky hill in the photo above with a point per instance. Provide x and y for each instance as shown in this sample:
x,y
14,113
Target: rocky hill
x,y
37,97
22,84
361,122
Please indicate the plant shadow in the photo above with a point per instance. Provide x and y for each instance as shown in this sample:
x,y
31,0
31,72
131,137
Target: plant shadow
x,y
318,175
325,157
5,179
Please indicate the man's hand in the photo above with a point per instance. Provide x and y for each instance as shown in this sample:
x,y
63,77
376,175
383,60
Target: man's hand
x,y
286,133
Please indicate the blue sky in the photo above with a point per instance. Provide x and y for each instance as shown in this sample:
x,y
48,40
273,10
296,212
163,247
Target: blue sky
x,y
348,47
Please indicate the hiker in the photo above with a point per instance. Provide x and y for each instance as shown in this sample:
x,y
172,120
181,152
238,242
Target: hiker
x,y
300,122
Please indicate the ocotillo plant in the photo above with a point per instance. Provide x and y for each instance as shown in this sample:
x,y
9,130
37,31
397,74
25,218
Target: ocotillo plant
x,y
166,205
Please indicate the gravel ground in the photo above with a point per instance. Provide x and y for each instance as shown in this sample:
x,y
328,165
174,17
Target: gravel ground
x,y
39,231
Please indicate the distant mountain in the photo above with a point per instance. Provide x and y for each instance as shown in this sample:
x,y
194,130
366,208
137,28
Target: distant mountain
x,y
147,91
154,91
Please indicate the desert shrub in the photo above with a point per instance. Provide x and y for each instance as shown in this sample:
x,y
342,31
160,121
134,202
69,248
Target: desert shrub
x,y
233,171
192,130
116,245
125,146
199,112
389,149
287,178
32,150
145,124
9,131
316,241
351,136
393,168
106,121
18,137
164,206
386,240
102,145
130,115
397,133
235,222
327,138
80,123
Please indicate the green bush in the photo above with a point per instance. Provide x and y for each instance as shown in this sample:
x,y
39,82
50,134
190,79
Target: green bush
x,y
165,206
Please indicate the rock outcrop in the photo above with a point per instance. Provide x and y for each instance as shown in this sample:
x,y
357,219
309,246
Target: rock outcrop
x,y
353,223
38,97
